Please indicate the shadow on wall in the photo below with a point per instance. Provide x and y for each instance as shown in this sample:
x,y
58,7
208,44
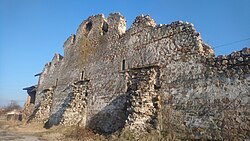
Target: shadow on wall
x,y
55,118
111,118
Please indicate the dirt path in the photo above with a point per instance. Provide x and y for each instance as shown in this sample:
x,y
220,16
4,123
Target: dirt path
x,y
19,131
9,136
13,131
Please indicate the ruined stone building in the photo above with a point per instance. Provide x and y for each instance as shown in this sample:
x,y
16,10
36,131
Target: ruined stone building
x,y
30,102
146,77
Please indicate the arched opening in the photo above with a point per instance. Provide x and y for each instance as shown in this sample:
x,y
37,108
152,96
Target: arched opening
x,y
88,26
105,27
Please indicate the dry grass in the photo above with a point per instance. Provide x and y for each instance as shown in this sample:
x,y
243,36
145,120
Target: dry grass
x,y
9,124
82,134
74,133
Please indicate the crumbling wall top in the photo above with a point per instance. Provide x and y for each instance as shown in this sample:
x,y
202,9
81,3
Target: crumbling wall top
x,y
70,41
143,21
91,27
116,23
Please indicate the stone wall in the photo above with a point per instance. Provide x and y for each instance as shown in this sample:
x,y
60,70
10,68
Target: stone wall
x,y
143,101
42,111
148,77
210,100
76,108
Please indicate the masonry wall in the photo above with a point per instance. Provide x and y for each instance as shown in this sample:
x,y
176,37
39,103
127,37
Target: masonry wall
x,y
206,101
191,84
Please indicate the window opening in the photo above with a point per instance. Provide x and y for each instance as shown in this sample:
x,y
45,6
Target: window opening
x,y
56,82
88,26
82,75
123,65
105,27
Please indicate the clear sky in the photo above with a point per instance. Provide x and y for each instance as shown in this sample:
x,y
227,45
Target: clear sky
x,y
31,31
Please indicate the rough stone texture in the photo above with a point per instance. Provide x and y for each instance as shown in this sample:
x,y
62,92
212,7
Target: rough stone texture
x,y
76,111
148,77
30,102
143,99
211,101
42,110
27,111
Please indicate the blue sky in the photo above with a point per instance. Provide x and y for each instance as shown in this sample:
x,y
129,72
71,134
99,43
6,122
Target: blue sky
x,y
31,31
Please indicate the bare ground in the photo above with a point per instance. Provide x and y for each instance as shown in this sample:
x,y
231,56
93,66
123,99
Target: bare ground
x,y
10,131
19,131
